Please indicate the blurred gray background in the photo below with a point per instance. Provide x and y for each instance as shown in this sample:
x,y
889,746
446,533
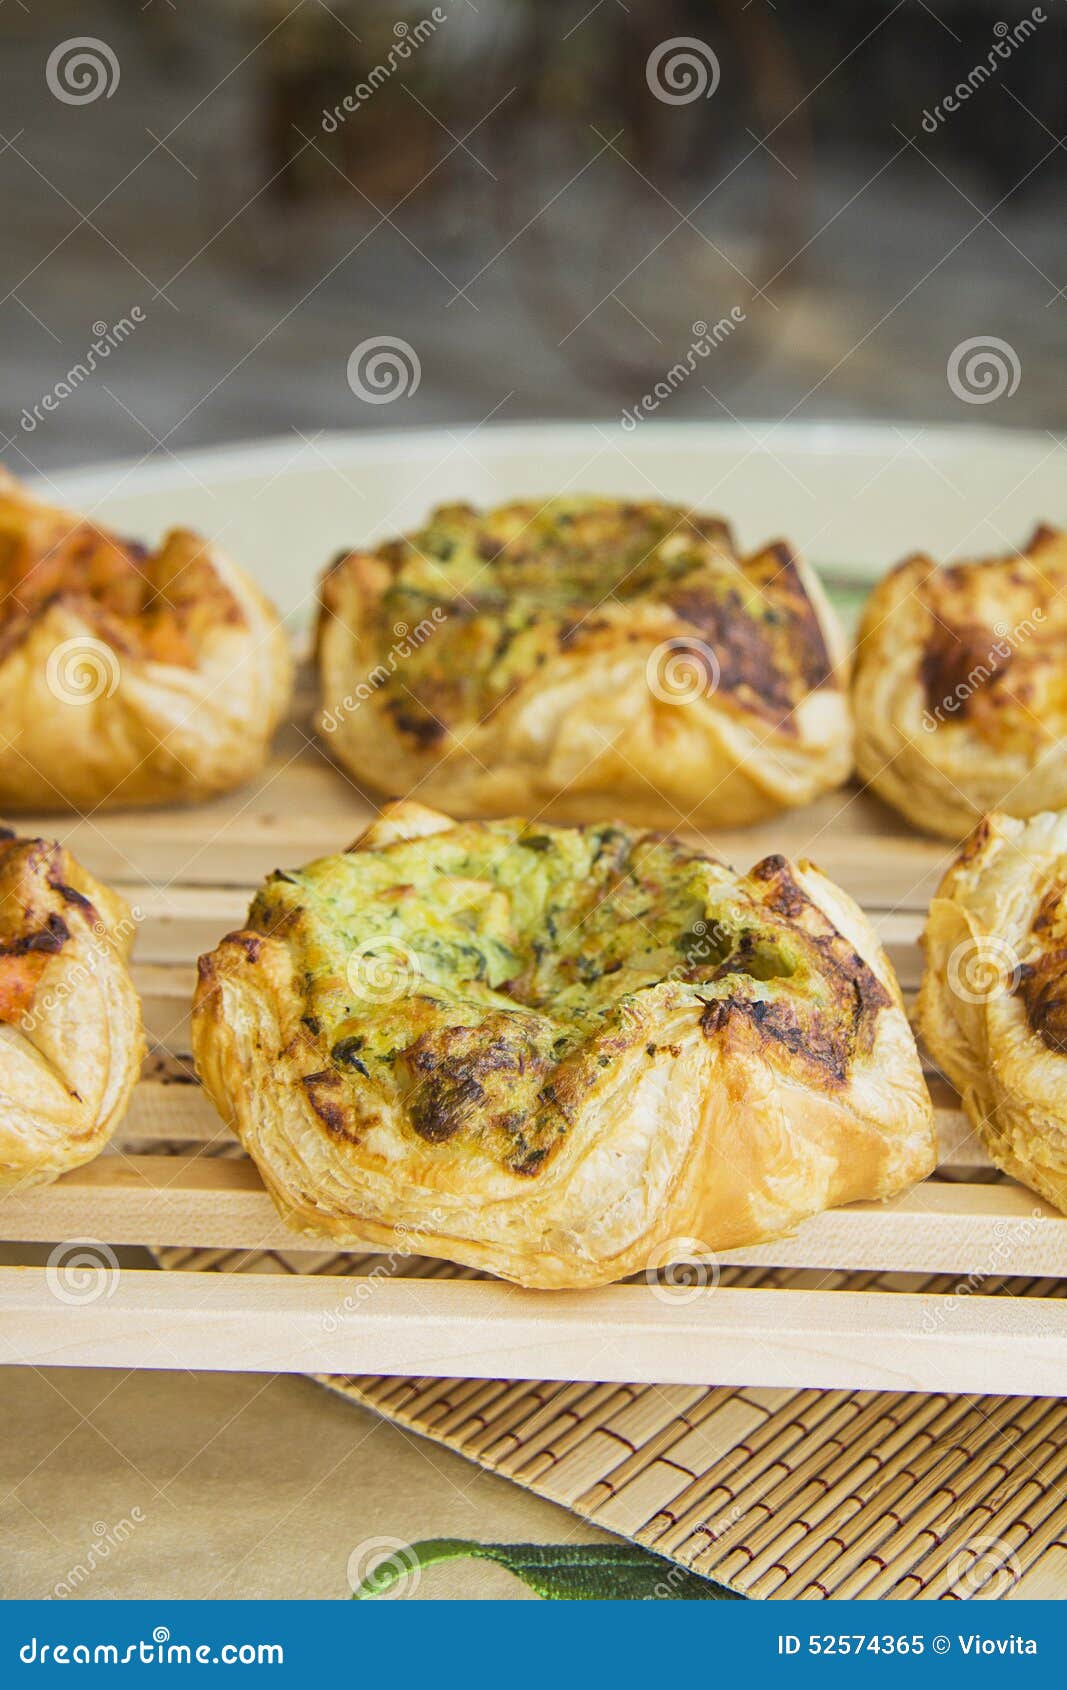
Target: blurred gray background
x,y
530,197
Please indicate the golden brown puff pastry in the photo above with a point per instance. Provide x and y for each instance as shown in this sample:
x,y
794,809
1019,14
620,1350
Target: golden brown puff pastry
x,y
70,1020
554,1053
584,656
993,1002
959,688
127,676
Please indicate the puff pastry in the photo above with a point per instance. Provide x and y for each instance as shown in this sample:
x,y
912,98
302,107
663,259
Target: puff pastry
x,y
554,1052
583,657
960,687
993,1001
127,676
70,1020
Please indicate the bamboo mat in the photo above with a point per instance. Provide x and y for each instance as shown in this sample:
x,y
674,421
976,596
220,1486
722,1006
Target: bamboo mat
x,y
774,1492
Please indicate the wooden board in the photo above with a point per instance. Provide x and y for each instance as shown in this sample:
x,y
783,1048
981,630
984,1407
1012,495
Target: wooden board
x,y
483,1329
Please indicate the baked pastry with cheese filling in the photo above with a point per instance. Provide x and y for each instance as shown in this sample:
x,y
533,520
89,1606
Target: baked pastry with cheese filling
x,y
559,1054
71,1042
128,675
993,1002
960,687
580,657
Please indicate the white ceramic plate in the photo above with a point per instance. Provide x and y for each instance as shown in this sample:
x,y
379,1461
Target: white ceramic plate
x,y
853,498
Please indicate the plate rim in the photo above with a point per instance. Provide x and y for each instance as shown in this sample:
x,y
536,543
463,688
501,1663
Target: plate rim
x,y
232,460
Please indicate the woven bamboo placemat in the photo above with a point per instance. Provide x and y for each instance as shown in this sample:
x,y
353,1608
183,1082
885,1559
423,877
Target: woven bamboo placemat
x,y
776,1493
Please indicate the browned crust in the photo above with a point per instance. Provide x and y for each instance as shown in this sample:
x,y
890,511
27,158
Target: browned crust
x,y
951,656
827,1044
1042,983
982,667
149,603
34,875
326,1094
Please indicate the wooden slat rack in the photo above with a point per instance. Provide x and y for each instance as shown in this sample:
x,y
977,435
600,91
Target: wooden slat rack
x,y
843,1312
